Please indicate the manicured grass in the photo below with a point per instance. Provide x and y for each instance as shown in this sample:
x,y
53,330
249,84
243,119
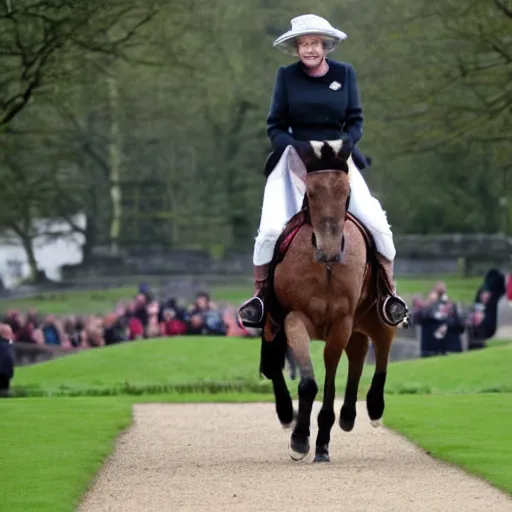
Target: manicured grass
x,y
206,365
51,449
73,302
480,371
101,301
473,431
175,365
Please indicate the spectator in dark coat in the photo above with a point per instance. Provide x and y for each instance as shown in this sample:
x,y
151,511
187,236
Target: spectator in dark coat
x,y
441,325
205,318
484,318
6,359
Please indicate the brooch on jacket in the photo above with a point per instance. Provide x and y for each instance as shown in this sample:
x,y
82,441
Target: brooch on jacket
x,y
335,86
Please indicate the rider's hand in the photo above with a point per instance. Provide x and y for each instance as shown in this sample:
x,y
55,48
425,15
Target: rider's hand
x,y
302,147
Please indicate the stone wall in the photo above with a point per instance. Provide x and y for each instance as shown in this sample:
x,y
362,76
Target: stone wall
x,y
453,246
470,255
161,261
416,255
30,353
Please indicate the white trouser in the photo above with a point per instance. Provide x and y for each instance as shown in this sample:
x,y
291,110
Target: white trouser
x,y
283,197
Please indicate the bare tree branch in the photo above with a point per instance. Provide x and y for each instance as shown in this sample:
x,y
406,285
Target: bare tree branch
x,y
500,4
57,25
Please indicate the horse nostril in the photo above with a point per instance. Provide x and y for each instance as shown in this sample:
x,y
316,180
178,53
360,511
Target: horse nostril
x,y
322,258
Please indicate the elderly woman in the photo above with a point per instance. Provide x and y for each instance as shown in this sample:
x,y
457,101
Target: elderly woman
x,y
314,99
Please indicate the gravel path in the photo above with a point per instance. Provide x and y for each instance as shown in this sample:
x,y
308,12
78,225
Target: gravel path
x,y
233,457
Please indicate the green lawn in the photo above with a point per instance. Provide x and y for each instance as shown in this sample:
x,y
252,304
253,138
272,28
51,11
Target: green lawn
x,y
473,431
73,302
52,448
176,365
482,371
215,365
100,301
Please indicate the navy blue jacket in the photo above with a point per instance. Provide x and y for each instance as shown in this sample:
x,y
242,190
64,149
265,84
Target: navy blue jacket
x,y
6,360
312,109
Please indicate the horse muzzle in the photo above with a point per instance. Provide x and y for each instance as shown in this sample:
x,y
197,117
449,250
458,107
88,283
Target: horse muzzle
x,y
322,256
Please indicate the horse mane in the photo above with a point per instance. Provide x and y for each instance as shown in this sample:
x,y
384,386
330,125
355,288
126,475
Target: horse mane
x,y
324,155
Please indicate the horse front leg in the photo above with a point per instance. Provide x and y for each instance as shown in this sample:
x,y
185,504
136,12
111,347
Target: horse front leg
x,y
332,353
356,350
271,361
298,341
382,339
284,404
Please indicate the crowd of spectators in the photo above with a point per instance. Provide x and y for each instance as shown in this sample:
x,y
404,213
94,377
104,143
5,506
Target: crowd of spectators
x,y
441,322
138,319
143,317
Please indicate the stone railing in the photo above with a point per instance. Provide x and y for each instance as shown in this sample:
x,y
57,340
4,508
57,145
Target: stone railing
x,y
30,353
416,254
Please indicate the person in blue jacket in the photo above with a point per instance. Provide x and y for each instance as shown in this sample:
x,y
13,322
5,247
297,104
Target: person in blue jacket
x,y
315,98
6,359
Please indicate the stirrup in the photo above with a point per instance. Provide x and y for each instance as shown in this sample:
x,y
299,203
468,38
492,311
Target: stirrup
x,y
394,311
252,313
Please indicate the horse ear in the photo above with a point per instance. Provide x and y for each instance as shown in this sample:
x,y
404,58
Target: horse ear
x,y
296,164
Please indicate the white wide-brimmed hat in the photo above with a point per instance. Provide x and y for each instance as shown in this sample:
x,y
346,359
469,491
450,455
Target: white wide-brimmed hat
x,y
305,25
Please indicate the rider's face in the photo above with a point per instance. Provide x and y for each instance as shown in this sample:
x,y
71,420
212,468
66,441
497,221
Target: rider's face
x,y
311,51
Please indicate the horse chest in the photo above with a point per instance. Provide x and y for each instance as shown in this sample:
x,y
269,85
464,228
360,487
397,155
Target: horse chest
x,y
318,295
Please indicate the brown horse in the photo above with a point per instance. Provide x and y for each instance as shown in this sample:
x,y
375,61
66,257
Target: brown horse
x,y
326,287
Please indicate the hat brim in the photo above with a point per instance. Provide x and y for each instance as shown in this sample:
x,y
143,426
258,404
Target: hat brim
x,y
286,42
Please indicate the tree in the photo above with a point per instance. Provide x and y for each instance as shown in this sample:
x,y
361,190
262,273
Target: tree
x,y
465,102
29,189
37,38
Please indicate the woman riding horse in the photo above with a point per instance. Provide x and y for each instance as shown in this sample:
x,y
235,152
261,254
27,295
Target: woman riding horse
x,y
315,99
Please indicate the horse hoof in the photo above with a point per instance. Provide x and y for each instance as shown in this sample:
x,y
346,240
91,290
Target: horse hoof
x,y
346,425
347,417
298,449
322,457
287,426
295,455
290,424
322,454
376,423
375,406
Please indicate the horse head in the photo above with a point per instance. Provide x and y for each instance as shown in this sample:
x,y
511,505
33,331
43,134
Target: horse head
x,y
322,165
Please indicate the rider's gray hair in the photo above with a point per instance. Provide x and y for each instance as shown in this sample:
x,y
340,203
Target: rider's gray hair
x,y
329,43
